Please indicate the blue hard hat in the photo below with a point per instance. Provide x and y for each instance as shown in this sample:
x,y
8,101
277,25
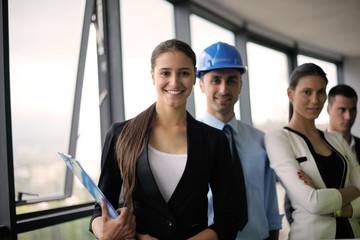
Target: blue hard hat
x,y
220,55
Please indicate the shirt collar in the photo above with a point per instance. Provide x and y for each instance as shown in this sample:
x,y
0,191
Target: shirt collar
x,y
213,121
352,142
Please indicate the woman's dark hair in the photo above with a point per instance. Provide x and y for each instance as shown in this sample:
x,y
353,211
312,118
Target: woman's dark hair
x,y
172,45
306,69
132,139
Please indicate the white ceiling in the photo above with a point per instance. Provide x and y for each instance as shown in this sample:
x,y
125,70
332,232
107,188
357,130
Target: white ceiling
x,y
329,25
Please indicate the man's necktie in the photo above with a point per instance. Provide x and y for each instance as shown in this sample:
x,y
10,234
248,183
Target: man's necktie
x,y
239,177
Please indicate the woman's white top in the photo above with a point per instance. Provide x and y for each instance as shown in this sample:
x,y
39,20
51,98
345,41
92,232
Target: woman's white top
x,y
167,170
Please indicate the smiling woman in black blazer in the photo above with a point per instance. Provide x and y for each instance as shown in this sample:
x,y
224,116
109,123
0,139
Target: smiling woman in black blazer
x,y
163,161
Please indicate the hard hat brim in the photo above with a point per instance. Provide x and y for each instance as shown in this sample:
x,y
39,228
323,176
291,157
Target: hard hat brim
x,y
242,70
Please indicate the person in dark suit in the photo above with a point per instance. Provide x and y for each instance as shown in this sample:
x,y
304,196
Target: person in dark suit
x,y
342,110
163,162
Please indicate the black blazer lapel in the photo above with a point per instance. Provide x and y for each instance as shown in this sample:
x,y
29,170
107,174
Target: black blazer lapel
x,y
147,185
193,165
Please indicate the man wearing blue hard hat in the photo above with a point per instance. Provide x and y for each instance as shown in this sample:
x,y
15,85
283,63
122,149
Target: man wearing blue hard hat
x,y
220,68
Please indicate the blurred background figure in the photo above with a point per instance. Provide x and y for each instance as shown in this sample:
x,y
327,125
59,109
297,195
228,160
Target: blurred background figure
x,y
342,110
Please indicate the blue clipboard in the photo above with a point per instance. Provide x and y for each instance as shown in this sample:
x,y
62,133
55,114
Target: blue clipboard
x,y
88,183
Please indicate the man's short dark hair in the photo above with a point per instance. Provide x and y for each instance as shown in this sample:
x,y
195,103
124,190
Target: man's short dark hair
x,y
342,90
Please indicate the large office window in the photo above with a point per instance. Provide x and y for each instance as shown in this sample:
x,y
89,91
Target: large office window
x,y
268,81
144,24
332,75
203,34
44,55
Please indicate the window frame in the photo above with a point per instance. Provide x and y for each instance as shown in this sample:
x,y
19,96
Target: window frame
x,y
107,17
7,201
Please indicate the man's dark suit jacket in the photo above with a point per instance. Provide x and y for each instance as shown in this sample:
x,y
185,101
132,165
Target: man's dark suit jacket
x,y
185,214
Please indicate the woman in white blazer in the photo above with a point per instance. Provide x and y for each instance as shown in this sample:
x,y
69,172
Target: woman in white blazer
x,y
326,199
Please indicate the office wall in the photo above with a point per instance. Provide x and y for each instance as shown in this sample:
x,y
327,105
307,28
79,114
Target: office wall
x,y
352,78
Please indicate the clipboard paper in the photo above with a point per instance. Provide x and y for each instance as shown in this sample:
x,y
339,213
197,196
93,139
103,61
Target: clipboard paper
x,y
88,183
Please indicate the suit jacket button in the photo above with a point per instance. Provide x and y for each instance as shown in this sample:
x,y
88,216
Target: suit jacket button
x,y
169,223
